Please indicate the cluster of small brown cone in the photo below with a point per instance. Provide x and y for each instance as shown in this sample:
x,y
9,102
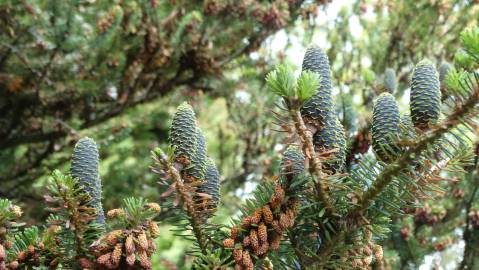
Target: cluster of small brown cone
x,y
30,256
126,248
107,21
262,231
365,253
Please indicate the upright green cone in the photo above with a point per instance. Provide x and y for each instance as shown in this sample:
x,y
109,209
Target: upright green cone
x,y
195,170
317,109
211,186
332,136
425,99
190,150
386,129
84,167
189,143
444,69
183,135
390,81
292,163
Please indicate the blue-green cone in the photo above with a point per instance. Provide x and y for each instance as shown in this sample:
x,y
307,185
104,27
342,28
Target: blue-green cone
x,y
386,128
211,186
444,69
406,124
317,109
183,133
84,167
292,163
332,136
197,166
390,81
425,99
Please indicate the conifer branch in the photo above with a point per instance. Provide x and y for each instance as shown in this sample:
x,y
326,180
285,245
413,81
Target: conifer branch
x,y
315,163
392,170
186,196
469,258
78,214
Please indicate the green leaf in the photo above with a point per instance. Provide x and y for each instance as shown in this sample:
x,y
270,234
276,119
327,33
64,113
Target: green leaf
x,y
281,81
454,79
470,41
307,85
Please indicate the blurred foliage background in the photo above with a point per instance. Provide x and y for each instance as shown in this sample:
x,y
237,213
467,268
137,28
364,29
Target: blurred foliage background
x,y
116,70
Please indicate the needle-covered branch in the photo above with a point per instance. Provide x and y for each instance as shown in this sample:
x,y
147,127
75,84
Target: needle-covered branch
x,y
387,175
186,195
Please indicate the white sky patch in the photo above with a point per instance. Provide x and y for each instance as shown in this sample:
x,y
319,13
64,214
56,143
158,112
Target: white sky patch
x,y
355,26
366,62
279,42
243,96
254,55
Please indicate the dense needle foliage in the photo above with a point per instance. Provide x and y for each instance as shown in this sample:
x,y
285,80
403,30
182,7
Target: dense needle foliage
x,y
239,134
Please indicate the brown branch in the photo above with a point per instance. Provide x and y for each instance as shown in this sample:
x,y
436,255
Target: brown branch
x,y
315,164
187,198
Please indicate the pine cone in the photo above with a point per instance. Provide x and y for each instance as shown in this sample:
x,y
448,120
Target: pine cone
x,y
211,186
197,166
116,255
246,241
234,232
390,81
277,227
378,253
267,214
3,253
154,206
238,255
318,108
256,217
84,167
367,260
278,195
154,229
13,265
144,260
183,133
246,223
112,237
444,69
292,163
253,236
228,243
385,127
262,233
143,241
104,259
332,136
425,97
115,213
129,245
130,259
247,262
262,250
284,221
275,241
